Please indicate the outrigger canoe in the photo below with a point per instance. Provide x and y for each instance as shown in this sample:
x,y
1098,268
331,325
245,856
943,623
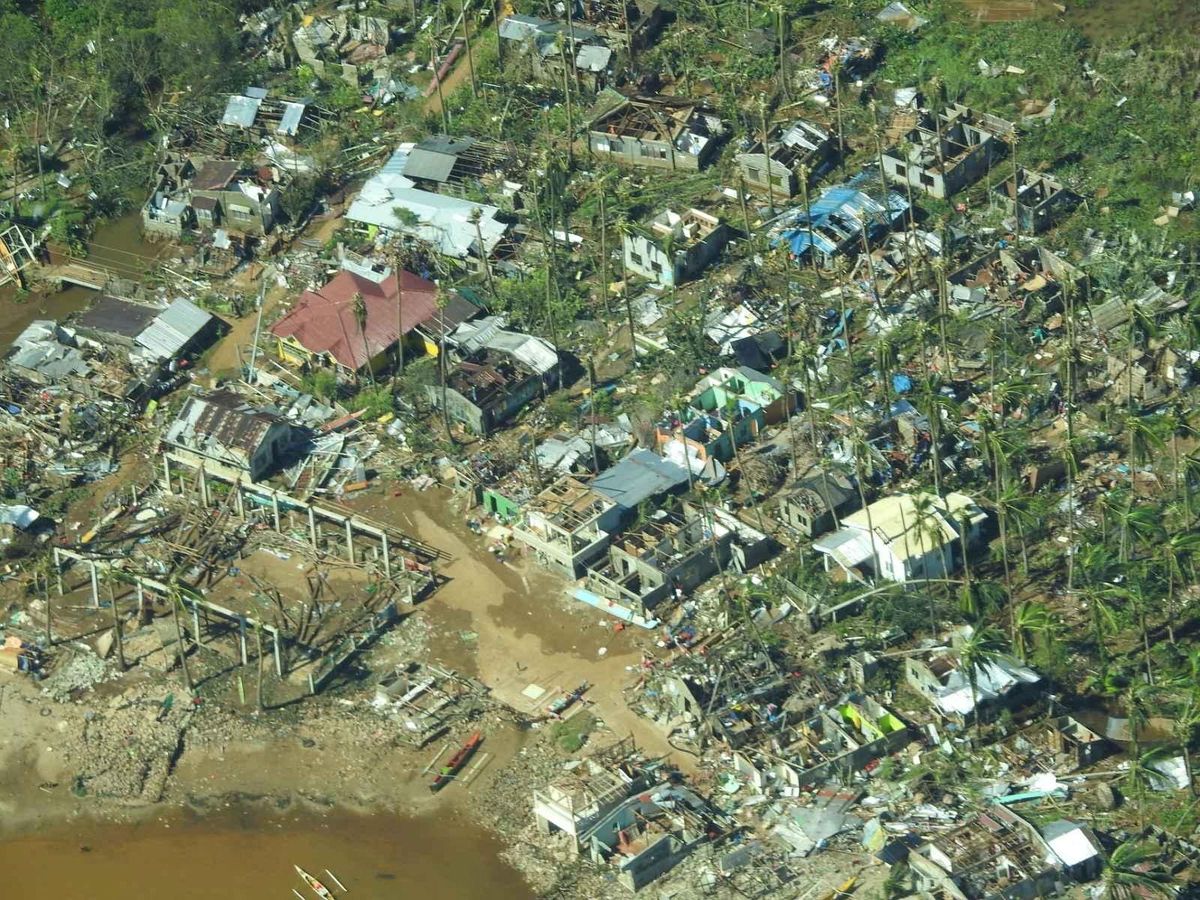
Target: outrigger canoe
x,y
456,762
317,888
563,703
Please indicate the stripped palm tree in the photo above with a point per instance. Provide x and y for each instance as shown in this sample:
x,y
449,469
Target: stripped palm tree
x,y
358,307
1133,873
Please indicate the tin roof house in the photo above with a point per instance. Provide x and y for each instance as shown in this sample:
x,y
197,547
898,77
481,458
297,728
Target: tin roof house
x,y
391,204
222,430
835,223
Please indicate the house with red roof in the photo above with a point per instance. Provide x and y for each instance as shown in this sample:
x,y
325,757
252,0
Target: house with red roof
x,y
323,330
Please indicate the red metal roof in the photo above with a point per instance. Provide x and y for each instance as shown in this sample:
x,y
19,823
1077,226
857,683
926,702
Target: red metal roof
x,y
323,320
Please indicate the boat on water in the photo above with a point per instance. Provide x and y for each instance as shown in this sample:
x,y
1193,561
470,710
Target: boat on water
x,y
456,762
315,886
563,703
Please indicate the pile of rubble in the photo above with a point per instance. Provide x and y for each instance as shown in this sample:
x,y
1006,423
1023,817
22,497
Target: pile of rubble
x,y
78,673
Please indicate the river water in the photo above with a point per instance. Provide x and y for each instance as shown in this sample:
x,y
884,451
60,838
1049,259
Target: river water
x,y
249,856
117,245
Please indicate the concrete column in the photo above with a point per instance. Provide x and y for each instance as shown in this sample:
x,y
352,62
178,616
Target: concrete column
x,y
196,620
239,501
387,557
95,587
242,638
203,487
349,541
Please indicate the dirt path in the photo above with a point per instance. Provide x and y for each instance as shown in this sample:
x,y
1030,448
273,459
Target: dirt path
x,y
525,631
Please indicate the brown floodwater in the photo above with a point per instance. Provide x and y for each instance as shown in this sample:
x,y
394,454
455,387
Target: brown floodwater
x,y
116,245
249,856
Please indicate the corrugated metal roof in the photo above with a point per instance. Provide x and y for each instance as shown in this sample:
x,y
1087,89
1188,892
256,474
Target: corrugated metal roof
x,y
215,174
430,165
222,425
442,221
241,111
638,477
519,28
173,329
593,58
292,114
115,316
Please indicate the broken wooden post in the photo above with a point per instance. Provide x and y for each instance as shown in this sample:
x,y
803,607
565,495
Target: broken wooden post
x,y
58,571
349,541
312,527
196,621
278,653
387,560
275,510
167,472
242,638
95,586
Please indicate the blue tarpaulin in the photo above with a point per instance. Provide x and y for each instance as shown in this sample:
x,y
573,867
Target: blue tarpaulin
x,y
901,383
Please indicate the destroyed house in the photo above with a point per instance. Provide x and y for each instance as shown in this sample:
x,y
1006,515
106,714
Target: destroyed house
x,y
485,391
323,328
657,132
904,537
345,44
628,24
648,834
1017,279
675,247
558,48
816,504
727,410
499,373
949,152
440,161
47,354
998,854
223,430
577,798
567,525
836,222
253,111
672,551
1036,200
391,204
826,737
792,152
1000,682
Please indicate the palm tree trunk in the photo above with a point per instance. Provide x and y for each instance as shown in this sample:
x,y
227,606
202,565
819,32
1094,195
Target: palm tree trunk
x,y
175,600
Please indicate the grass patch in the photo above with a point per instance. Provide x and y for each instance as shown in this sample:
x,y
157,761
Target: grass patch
x,y
571,734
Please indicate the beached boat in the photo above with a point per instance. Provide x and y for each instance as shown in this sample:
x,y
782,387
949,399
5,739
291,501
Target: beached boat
x,y
317,888
456,762
563,703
